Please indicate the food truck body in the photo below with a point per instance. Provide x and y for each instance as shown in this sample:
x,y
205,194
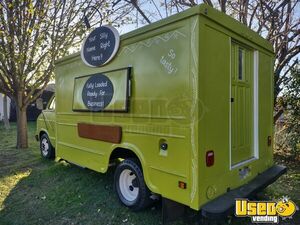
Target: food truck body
x,y
191,103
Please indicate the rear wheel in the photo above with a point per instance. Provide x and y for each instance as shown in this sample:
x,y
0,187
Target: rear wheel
x,y
130,185
46,148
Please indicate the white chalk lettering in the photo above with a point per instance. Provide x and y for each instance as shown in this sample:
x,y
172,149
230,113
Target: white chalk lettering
x,y
103,36
101,93
105,45
168,65
92,94
90,49
90,86
95,104
92,39
97,57
102,84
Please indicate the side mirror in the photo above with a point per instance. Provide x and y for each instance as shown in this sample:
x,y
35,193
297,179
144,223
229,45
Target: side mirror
x,y
39,104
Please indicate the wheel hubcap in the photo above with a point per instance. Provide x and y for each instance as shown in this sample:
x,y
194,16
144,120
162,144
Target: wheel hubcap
x,y
45,147
128,185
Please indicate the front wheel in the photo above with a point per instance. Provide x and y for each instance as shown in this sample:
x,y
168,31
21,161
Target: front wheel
x,y
46,148
130,185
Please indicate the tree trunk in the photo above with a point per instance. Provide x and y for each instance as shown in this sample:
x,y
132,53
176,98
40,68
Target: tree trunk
x,y
5,110
22,135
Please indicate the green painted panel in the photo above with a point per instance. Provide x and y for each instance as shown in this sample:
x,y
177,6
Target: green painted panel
x,y
159,107
214,108
214,96
265,106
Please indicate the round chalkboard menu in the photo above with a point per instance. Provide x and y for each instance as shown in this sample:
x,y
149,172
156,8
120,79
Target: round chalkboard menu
x,y
97,92
100,46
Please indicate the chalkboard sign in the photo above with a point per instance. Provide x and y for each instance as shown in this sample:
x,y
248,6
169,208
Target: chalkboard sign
x,y
116,85
97,92
100,46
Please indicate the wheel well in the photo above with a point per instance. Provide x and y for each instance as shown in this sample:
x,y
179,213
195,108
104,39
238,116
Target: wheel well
x,y
122,153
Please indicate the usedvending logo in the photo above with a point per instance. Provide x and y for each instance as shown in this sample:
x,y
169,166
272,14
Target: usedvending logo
x,y
265,211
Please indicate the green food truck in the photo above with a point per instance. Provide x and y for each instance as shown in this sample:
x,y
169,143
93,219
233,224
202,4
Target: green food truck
x,y
184,105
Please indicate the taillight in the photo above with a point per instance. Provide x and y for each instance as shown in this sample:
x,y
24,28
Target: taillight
x,y
210,158
182,185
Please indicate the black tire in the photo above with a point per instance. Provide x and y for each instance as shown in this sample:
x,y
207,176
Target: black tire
x,y
142,199
46,148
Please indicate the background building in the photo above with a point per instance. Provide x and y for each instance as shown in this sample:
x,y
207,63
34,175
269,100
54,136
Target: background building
x,y
32,110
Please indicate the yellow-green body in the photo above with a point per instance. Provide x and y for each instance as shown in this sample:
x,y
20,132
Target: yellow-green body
x,y
180,93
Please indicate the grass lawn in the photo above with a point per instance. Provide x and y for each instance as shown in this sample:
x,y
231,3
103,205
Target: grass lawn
x,y
37,191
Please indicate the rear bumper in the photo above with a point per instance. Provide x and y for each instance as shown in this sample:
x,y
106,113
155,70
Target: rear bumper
x,y
223,205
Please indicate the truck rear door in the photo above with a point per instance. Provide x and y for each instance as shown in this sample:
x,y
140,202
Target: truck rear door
x,y
241,104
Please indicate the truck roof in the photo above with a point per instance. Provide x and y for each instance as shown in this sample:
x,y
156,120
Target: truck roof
x,y
207,11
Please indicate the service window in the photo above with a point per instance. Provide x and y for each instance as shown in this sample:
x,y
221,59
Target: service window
x,y
101,92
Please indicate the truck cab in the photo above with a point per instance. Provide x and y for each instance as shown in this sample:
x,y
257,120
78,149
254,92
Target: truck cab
x,y
45,132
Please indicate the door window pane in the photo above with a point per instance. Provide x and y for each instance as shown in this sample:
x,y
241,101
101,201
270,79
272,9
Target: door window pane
x,y
241,63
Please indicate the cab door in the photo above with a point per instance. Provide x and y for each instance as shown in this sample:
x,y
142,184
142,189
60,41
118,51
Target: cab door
x,y
241,104
49,118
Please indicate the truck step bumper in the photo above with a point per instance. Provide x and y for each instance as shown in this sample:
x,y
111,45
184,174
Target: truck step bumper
x,y
223,205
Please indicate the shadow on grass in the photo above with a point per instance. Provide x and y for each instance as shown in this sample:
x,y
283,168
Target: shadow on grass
x,y
13,160
38,191
65,194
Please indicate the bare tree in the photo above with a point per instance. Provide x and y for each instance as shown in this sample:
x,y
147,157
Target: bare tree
x,y
279,23
135,4
276,20
33,34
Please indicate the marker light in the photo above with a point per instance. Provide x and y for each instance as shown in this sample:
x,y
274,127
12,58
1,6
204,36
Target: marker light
x,y
182,185
210,158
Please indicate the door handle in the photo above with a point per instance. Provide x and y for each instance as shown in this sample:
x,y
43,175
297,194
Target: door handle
x,y
232,99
